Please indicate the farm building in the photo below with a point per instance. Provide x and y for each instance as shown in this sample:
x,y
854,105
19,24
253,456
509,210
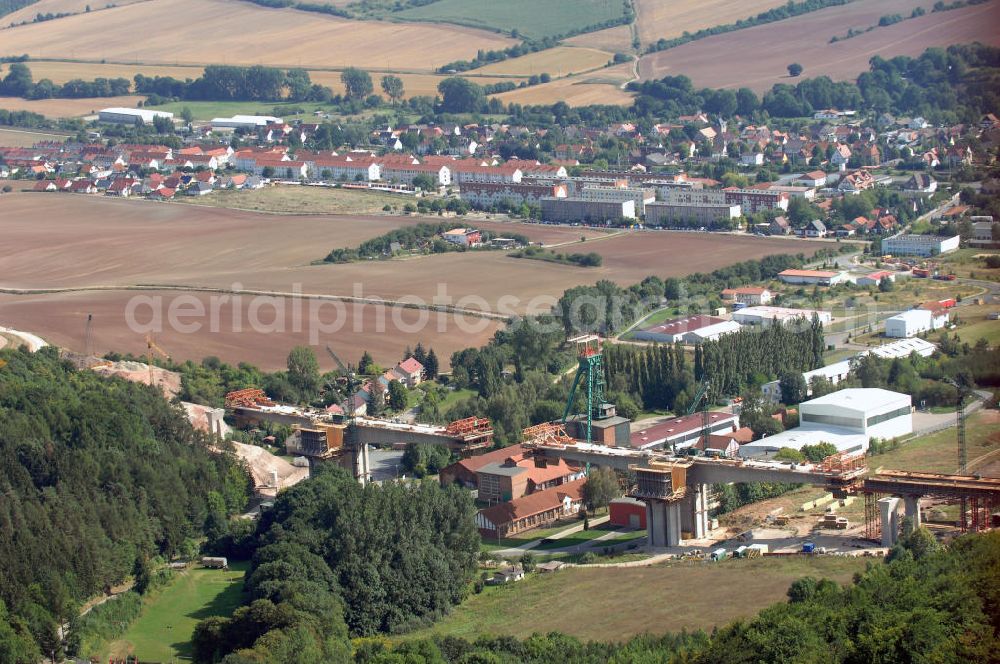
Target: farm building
x,y
465,237
131,115
682,432
919,245
581,209
812,277
531,511
913,322
765,316
848,419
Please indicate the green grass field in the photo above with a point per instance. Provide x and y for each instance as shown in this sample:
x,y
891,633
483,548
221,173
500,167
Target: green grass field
x,y
558,17
301,200
612,604
163,631
938,452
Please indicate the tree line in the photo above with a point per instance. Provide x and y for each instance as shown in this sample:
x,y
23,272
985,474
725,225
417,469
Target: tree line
x,y
19,82
946,85
423,236
99,476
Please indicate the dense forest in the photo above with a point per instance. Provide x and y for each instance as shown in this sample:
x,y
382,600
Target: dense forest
x,y
334,557
99,475
925,604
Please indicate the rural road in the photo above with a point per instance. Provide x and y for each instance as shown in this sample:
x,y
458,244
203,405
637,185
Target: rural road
x,y
32,341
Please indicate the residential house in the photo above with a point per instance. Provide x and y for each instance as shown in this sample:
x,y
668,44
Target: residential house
x,y
815,228
920,183
411,372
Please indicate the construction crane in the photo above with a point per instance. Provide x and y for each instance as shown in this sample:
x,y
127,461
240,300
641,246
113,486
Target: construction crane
x,y
150,347
590,369
705,416
350,376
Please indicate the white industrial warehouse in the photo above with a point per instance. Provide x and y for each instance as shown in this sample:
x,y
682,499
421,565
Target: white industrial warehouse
x,y
765,316
848,419
118,115
913,322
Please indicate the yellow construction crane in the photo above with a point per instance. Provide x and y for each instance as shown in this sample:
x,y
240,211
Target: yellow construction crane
x,y
150,347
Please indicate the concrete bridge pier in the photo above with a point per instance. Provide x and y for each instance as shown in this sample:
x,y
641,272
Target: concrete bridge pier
x,y
663,523
362,463
888,507
694,511
911,508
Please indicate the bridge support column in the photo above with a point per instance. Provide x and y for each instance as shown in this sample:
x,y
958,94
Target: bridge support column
x,y
890,520
694,511
663,523
362,465
911,508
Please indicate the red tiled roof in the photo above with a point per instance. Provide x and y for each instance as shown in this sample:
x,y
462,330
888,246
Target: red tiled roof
x,y
410,365
535,503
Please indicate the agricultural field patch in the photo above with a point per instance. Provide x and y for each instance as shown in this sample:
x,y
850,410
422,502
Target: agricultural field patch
x,y
631,599
806,39
24,138
666,20
68,108
234,32
530,18
557,61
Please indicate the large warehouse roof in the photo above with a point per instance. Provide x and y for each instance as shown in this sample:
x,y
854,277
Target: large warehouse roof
x,y
858,398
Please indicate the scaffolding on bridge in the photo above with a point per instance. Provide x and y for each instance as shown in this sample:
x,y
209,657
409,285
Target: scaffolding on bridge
x,y
546,433
474,432
248,398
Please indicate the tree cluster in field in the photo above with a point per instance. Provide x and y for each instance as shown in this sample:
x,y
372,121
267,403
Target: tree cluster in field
x,y
236,83
11,6
332,557
99,476
423,237
950,85
591,259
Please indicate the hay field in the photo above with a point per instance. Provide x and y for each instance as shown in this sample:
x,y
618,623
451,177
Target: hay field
x,y
234,32
59,72
64,108
805,39
557,61
660,19
616,39
599,87
20,138
301,200
60,320
56,7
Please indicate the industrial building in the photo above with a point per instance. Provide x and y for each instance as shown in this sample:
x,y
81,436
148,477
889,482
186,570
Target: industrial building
x,y
765,316
641,197
812,277
683,432
245,122
131,115
904,348
530,511
913,322
581,209
848,419
675,330
919,245
834,373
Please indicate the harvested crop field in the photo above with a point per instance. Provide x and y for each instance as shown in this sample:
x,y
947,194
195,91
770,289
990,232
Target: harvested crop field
x,y
616,39
598,87
243,33
806,39
67,108
21,138
60,320
666,20
557,61
55,7
301,200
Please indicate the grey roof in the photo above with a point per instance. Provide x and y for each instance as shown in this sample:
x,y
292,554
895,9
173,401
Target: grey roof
x,y
501,469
